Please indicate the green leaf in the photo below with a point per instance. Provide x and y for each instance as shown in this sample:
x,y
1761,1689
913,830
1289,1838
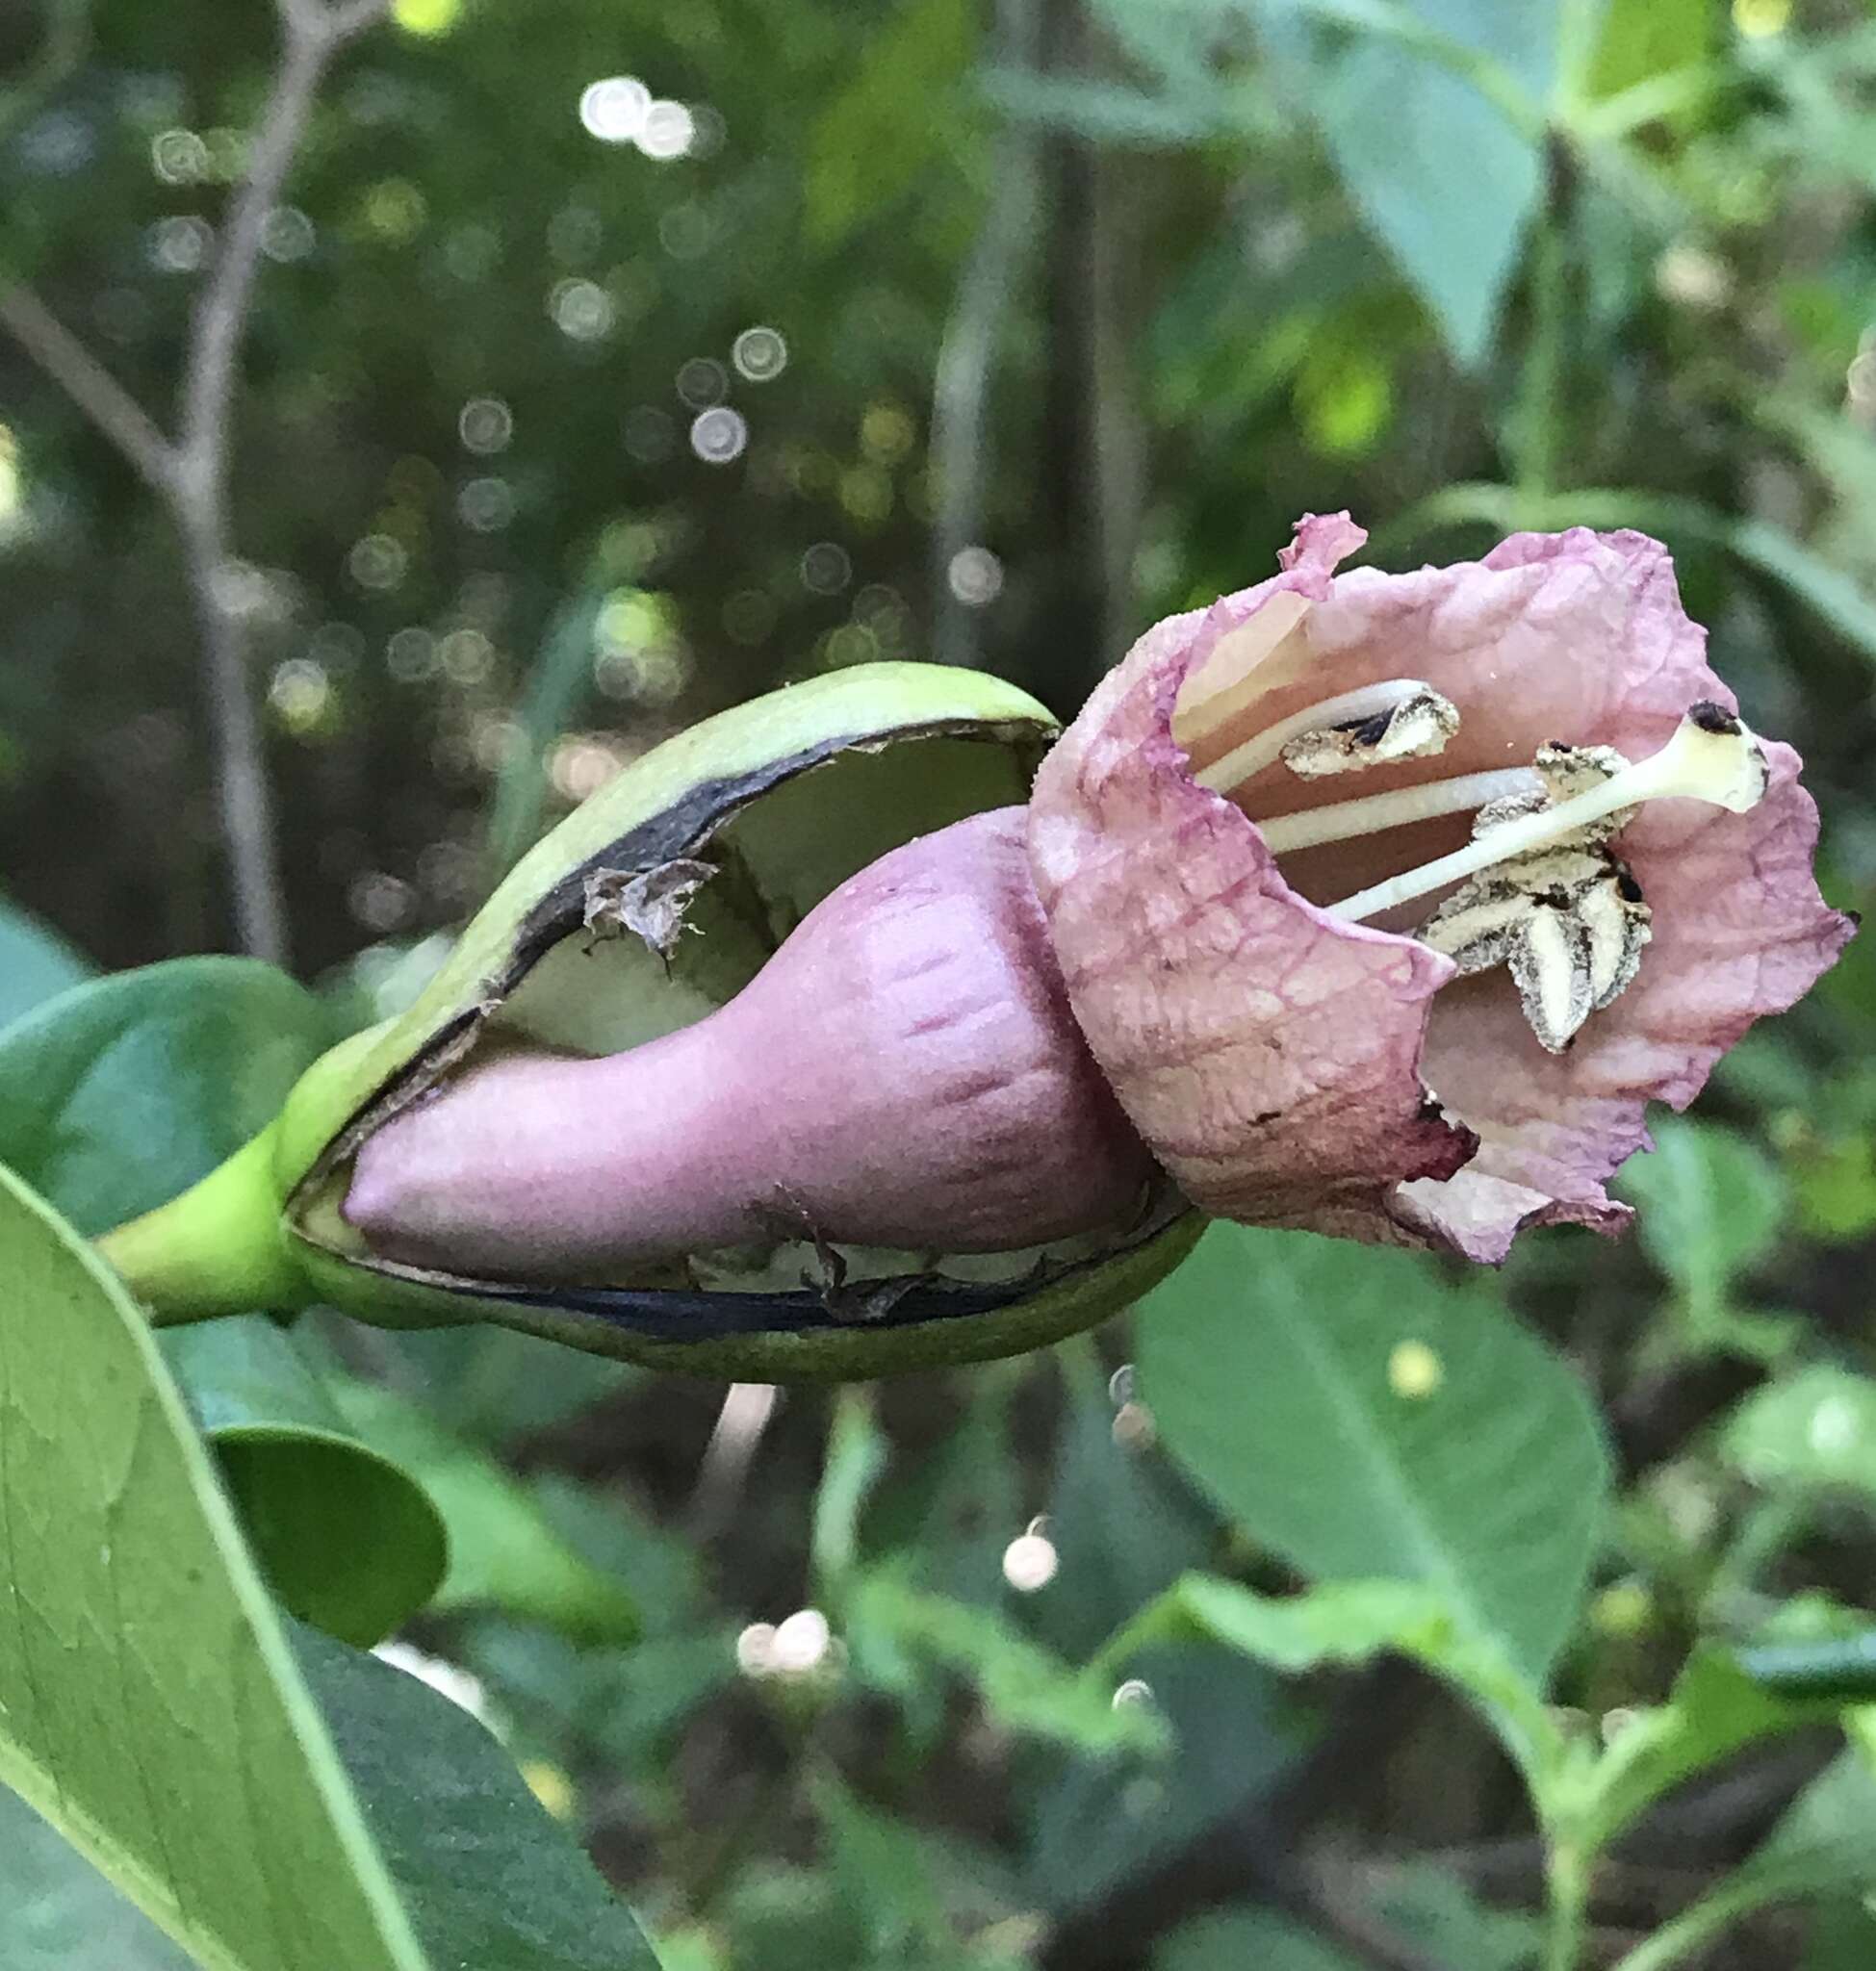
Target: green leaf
x,y
1124,1525
1711,1208
1363,1418
152,1710
117,1095
1823,1845
1438,1914
1444,179
1100,1822
504,1551
1352,1621
1023,1687
1813,1430
36,965
155,1712
57,1912
488,1876
1234,1940
1645,39
1715,1709
866,150
349,1539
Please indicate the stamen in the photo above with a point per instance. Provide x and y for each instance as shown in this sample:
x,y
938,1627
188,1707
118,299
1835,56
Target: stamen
x,y
1712,757
1264,748
1340,820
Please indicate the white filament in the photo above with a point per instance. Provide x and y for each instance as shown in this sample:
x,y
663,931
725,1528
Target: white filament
x,y
1262,748
1725,768
1341,821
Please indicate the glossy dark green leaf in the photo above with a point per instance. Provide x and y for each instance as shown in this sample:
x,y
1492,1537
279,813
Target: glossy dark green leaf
x,y
113,1098
36,965
489,1878
350,1536
1362,1416
117,1095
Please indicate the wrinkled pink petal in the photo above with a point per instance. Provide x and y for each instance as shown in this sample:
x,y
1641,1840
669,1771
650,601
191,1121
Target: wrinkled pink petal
x,y
1272,1055
1268,1056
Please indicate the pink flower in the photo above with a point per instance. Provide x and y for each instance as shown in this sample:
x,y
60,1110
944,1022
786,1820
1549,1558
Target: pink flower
x,y
1294,1063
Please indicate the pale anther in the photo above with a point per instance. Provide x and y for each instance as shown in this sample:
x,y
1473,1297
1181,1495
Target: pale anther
x,y
1349,707
1341,821
1712,757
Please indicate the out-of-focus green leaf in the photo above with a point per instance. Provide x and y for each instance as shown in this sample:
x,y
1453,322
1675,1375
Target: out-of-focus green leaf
x,y
348,1539
1124,1524
1842,1937
1643,40
1099,1822
1712,1205
1447,183
1438,1914
856,1456
57,1911
1352,1621
866,150
152,1709
117,1095
1824,1844
504,1551
1714,1710
1022,1686
1363,1418
120,1094
1812,1430
1236,1940
36,965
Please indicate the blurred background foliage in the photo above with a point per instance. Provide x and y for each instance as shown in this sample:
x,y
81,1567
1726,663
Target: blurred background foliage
x,y
611,363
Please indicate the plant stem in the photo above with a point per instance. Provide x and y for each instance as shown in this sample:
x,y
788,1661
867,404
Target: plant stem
x,y
190,473
1568,1876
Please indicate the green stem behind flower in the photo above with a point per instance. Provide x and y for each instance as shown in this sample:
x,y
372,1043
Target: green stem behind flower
x,y
216,1249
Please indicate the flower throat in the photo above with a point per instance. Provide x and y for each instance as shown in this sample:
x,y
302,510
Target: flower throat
x,y
1539,890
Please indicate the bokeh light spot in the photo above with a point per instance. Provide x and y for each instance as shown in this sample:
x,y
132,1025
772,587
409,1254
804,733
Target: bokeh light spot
x,y
702,383
1414,1371
613,109
718,435
667,131
426,18
975,576
485,425
760,354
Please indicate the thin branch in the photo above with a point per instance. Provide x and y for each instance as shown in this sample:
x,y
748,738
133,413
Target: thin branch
x,y
90,385
312,34
191,474
974,333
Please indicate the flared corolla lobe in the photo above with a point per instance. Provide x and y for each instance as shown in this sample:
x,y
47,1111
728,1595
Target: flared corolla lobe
x,y
1290,1064
904,1073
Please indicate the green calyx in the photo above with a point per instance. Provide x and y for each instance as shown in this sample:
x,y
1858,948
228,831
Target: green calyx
x,y
772,806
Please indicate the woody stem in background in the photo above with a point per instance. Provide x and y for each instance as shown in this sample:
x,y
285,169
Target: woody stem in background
x,y
189,473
